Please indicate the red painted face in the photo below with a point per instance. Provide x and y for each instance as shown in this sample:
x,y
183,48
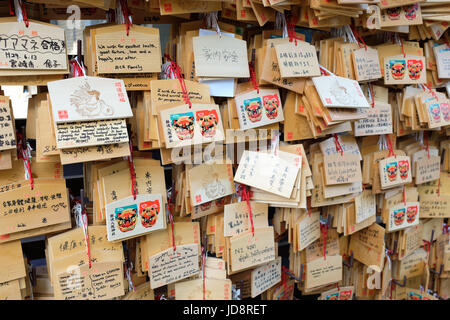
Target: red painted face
x,y
126,220
411,213
149,211
271,104
415,68
253,108
403,167
399,216
205,206
208,122
184,127
391,169
397,68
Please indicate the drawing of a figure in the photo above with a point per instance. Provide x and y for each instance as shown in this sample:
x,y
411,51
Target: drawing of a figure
x,y
88,103
214,189
340,94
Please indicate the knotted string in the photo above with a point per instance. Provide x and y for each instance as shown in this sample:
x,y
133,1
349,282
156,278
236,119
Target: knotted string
x,y
21,12
372,97
338,145
389,144
251,66
291,29
359,39
132,172
324,230
125,15
244,193
25,154
427,145
175,70
11,11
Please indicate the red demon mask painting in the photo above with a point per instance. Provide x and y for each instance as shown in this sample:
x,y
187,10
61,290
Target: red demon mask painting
x,y
411,11
415,68
445,109
126,217
435,112
411,213
208,122
183,123
345,295
394,13
271,104
403,167
397,68
254,109
399,216
149,211
391,169
206,206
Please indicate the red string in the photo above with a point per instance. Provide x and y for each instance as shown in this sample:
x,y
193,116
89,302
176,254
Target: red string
x,y
338,145
355,31
427,245
337,286
11,11
176,70
253,77
439,187
431,91
323,72
126,15
171,209
132,172
86,234
245,196
392,288
324,230
291,29
24,12
427,145
23,154
404,196
308,203
371,95
204,271
403,49
78,72
284,277
389,143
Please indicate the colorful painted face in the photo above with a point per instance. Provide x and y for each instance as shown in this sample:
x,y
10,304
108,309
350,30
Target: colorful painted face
x,y
399,216
394,13
411,213
183,123
271,104
397,68
149,211
391,169
415,68
435,112
445,108
126,218
208,122
403,167
411,11
333,296
220,202
254,109
206,205
414,296
345,295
